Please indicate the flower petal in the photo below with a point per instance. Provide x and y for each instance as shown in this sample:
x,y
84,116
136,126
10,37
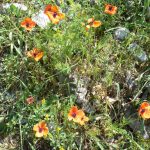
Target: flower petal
x,y
96,24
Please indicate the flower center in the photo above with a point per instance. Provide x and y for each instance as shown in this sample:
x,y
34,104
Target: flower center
x,y
82,118
73,115
91,23
27,24
110,8
34,54
142,111
54,15
49,10
40,129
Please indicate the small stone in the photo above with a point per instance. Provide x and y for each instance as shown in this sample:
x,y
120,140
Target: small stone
x,y
137,52
81,94
51,125
110,100
130,3
41,19
146,136
23,121
121,33
88,108
130,81
92,2
98,118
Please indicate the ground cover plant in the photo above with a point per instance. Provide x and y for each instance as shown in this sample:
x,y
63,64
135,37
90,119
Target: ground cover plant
x,y
75,75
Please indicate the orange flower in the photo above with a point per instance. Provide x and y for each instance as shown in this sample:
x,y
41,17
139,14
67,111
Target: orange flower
x,y
110,9
53,13
30,100
92,23
36,54
81,118
73,113
144,110
51,8
41,129
77,116
28,24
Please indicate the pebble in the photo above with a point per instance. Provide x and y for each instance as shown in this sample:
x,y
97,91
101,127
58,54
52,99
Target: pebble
x,y
130,81
137,52
81,94
121,33
92,2
88,108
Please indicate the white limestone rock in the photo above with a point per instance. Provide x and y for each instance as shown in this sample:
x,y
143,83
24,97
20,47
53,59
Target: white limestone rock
x,y
41,19
17,5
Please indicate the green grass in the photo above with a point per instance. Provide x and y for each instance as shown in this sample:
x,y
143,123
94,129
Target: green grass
x,y
69,49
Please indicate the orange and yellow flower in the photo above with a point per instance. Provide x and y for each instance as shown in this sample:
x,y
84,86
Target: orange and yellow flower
x,y
110,9
51,8
81,118
77,116
41,129
36,54
28,24
72,115
54,14
144,110
91,22
30,100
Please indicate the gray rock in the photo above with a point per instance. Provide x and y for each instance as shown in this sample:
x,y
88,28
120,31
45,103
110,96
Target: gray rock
x,y
137,52
41,19
130,3
121,33
130,81
146,136
24,121
81,94
80,87
88,108
92,2
51,125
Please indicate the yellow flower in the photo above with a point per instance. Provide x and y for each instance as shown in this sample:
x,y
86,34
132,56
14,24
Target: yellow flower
x,y
77,116
54,14
91,22
43,101
47,117
36,54
144,110
58,129
61,148
41,129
